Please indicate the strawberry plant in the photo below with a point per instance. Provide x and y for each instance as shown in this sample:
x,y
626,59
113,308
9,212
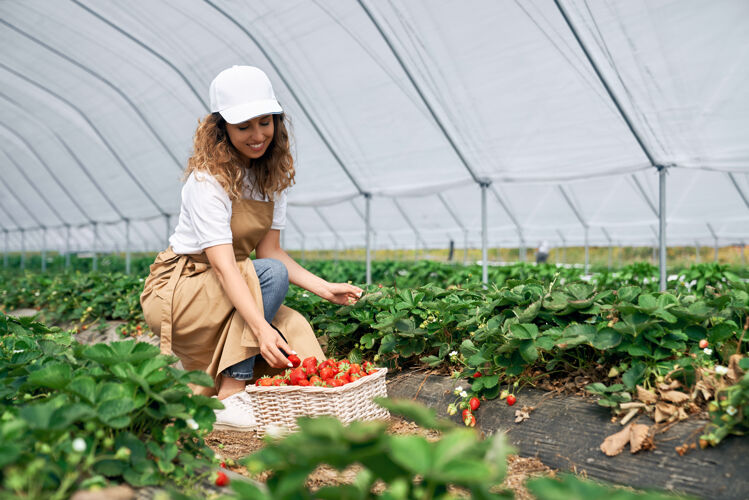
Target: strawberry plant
x,y
408,467
74,416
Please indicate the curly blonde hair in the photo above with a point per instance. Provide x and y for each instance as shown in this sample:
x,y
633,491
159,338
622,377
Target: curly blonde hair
x,y
214,153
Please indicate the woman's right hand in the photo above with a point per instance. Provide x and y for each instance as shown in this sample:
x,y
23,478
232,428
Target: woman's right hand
x,y
271,344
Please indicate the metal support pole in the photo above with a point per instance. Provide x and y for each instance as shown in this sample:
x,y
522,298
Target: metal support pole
x,y
564,246
95,262
465,246
662,226
127,246
367,231
23,249
5,249
715,240
697,252
484,233
44,249
715,255
587,256
168,225
67,246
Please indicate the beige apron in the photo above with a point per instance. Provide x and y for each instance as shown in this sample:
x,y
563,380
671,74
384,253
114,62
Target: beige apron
x,y
184,302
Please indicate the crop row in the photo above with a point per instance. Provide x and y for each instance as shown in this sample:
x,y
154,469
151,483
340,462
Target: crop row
x,y
79,417
522,332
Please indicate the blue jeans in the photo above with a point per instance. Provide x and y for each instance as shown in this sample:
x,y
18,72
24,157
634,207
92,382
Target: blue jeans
x,y
274,283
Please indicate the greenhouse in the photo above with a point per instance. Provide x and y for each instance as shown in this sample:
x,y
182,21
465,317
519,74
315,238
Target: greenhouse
x,y
456,167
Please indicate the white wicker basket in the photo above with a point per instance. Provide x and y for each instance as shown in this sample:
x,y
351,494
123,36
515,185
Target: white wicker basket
x,y
281,405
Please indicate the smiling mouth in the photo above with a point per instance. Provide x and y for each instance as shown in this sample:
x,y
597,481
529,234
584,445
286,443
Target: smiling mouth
x,y
256,147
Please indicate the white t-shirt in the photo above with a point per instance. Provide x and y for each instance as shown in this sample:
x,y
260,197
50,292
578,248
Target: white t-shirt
x,y
205,214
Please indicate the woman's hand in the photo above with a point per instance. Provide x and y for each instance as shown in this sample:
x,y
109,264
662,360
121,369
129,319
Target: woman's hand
x,y
342,293
271,344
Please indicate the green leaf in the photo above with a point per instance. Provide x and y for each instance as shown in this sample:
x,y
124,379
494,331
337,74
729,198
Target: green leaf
x,y
524,331
452,445
722,332
647,302
464,471
628,293
606,338
528,351
66,415
634,375
54,375
83,386
114,408
39,415
405,325
467,349
413,453
110,467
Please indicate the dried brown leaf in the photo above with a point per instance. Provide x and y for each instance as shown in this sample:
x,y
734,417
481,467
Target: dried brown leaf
x,y
663,411
677,397
637,437
706,390
646,396
615,443
734,372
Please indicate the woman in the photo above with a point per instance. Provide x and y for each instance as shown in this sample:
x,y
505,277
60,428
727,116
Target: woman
x,y
211,304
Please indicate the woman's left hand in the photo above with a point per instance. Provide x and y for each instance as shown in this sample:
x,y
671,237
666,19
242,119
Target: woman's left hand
x,y
343,293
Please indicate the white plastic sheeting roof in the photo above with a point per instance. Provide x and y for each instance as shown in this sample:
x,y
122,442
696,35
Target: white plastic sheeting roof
x,y
414,103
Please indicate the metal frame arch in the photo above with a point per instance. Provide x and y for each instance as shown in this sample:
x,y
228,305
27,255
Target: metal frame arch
x,y
96,131
145,47
33,187
101,79
293,93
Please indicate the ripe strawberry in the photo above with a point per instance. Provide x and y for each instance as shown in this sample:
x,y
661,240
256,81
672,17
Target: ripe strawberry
x,y
327,372
477,375
343,365
304,383
296,375
222,479
337,382
310,365
223,465
355,368
264,382
470,421
474,403
703,343
355,376
466,413
315,380
294,360
511,399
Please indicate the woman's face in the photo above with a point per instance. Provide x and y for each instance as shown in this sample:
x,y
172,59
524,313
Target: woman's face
x,y
252,138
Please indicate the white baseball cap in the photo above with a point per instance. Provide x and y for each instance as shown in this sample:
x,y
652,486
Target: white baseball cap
x,y
241,93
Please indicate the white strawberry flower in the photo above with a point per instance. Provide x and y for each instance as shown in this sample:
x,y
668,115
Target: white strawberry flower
x,y
463,394
79,445
192,424
458,390
453,354
707,351
721,370
731,410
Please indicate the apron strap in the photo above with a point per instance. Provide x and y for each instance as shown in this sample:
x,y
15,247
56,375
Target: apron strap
x,y
167,309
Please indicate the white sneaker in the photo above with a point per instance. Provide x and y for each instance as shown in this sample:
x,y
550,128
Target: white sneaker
x,y
237,414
